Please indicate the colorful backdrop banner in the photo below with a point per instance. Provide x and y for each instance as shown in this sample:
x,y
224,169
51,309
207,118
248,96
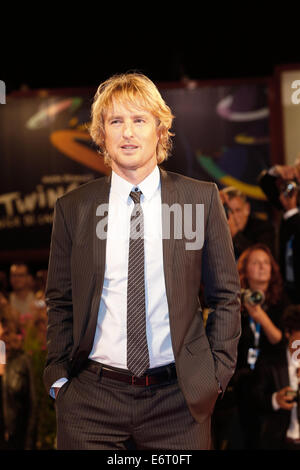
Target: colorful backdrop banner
x,y
221,135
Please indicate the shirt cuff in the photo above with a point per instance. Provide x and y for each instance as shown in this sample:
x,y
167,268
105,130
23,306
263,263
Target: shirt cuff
x,y
59,383
272,171
274,402
290,213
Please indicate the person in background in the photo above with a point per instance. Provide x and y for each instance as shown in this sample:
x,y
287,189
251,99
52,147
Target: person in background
x,y
260,272
4,295
289,245
281,186
245,229
17,403
276,391
40,283
261,327
22,294
273,180
261,334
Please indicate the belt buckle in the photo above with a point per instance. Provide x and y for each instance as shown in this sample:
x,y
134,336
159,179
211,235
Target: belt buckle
x,y
133,380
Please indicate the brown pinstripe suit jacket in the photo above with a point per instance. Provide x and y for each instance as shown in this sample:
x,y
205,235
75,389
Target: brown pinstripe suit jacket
x,y
75,279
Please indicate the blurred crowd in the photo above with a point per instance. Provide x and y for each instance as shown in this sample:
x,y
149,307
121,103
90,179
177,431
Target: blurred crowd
x,y
260,408
27,415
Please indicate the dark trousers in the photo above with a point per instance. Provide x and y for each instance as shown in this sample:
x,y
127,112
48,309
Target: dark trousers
x,y
96,412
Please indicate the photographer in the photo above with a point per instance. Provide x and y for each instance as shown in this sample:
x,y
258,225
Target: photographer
x,y
260,337
261,330
276,389
281,185
272,181
259,272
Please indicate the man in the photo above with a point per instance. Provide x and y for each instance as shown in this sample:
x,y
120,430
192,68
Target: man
x,y
245,229
22,295
125,332
273,183
276,388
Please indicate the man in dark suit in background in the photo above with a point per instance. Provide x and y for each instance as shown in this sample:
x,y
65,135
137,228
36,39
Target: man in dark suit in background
x,y
129,360
277,185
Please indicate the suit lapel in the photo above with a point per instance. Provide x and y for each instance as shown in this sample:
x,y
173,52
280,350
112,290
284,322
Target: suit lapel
x,y
98,262
99,244
168,197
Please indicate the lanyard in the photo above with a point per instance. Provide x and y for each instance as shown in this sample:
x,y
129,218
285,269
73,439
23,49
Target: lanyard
x,y
255,327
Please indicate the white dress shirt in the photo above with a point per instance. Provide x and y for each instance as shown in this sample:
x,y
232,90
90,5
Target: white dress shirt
x,y
293,430
110,342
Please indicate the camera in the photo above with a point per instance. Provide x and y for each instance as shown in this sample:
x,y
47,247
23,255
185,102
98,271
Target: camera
x,y
289,187
252,297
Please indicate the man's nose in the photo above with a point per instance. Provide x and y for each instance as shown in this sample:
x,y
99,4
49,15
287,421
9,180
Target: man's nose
x,y
127,130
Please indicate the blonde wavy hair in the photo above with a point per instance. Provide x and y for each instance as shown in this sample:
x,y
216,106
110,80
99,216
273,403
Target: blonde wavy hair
x,y
138,90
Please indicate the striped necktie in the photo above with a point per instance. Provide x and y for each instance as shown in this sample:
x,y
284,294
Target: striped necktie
x,y
137,348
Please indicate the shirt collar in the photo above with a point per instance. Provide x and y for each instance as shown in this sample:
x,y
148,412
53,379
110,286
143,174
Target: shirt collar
x,y
148,186
291,362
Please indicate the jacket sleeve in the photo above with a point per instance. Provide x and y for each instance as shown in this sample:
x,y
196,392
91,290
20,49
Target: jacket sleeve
x,y
59,301
222,291
268,184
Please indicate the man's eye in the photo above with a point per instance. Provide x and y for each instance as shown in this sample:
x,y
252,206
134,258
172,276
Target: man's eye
x,y
139,120
115,121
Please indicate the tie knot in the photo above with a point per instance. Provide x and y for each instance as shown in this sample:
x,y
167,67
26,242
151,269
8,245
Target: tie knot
x,y
136,196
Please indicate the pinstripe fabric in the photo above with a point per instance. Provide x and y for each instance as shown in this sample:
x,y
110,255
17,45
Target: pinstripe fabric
x,y
137,348
75,279
98,413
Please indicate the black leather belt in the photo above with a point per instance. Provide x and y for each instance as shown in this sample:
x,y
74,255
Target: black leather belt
x,y
154,376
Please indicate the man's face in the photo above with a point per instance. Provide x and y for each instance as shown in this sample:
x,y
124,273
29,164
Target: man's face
x,y
240,211
131,138
19,277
